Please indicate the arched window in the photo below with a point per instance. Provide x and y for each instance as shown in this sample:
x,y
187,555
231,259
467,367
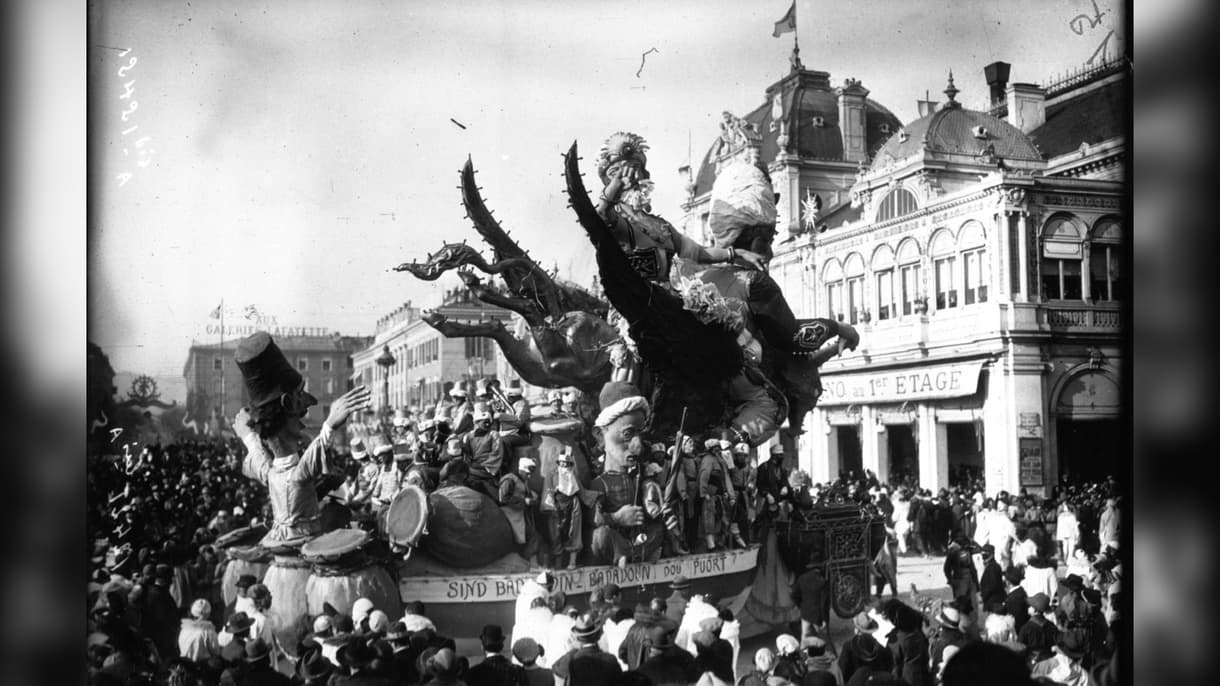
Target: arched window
x,y
976,273
853,269
832,279
909,281
882,265
1104,254
944,268
1062,254
896,203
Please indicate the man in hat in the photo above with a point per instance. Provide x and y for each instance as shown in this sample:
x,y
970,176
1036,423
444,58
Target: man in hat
x,y
991,582
561,507
485,450
622,528
421,473
233,641
1064,666
272,429
518,502
496,669
675,604
312,669
516,418
160,612
863,650
716,493
948,633
258,669
462,413
241,601
587,663
1039,634
960,573
664,662
743,479
811,594
389,479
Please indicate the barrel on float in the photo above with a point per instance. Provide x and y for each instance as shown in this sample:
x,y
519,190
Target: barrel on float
x,y
342,572
287,579
241,560
242,556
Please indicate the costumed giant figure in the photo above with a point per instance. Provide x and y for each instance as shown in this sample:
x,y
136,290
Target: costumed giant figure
x,y
701,329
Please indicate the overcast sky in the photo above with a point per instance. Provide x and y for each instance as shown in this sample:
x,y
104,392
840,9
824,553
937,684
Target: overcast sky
x,y
296,151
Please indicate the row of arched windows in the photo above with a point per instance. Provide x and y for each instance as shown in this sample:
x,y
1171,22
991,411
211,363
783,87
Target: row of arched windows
x,y
892,284
956,271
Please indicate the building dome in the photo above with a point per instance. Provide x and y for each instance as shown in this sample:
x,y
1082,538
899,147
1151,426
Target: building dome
x,y
809,114
954,130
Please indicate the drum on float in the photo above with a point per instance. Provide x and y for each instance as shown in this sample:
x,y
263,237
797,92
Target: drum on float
x,y
242,555
287,578
406,519
342,572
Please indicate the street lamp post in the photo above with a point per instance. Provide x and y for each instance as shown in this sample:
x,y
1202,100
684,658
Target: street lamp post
x,y
385,361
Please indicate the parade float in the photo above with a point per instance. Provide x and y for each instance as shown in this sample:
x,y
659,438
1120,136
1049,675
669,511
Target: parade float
x,y
708,339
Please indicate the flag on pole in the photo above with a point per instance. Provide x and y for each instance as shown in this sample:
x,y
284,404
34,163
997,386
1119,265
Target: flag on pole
x,y
216,312
788,23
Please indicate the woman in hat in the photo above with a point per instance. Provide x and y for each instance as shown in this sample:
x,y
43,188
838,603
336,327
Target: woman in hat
x,y
234,638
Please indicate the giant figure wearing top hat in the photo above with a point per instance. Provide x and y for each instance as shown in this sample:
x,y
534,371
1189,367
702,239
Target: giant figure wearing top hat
x,y
273,431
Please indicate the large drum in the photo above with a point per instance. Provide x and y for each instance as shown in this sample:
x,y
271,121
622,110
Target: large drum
x,y
406,519
242,555
342,572
466,528
287,578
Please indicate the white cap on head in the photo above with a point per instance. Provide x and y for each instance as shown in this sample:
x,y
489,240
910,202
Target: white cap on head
x,y
526,463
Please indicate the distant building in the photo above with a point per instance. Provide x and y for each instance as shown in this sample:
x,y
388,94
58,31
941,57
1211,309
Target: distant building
x,y
424,360
980,256
213,380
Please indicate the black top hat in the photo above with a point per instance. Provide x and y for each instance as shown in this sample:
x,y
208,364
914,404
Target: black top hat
x,y
246,580
492,637
265,370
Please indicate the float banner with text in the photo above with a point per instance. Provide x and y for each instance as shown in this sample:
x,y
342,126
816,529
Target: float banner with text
x,y
897,385
492,588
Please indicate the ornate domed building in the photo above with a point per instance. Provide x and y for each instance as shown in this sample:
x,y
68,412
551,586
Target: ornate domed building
x,y
979,254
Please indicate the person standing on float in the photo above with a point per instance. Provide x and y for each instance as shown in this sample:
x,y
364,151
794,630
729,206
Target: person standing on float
x,y
273,431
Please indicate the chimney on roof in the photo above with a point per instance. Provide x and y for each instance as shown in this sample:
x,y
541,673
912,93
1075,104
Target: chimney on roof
x,y
852,119
997,80
1026,106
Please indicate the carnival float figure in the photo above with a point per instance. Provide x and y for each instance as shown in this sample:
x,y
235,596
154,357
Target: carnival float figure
x,y
709,325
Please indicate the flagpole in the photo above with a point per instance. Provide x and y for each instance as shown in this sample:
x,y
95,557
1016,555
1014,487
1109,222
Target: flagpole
x,y
221,420
796,45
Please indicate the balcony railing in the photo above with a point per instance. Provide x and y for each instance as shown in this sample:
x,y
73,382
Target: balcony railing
x,y
1074,317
